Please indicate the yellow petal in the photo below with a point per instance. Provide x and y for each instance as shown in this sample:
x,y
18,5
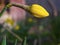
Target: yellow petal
x,y
38,11
10,21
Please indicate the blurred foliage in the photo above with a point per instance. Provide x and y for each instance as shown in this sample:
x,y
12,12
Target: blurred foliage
x,y
51,38
55,32
22,30
24,27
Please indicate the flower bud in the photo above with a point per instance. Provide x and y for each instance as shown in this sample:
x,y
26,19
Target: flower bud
x,y
38,11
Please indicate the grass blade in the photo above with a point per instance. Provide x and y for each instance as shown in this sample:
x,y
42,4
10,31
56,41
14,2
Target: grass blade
x,y
16,42
4,40
25,41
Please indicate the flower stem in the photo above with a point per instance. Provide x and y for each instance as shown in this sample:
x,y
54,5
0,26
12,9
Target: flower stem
x,y
25,7
20,39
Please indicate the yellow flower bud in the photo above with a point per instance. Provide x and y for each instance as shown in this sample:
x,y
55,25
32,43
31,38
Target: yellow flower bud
x,y
17,27
38,11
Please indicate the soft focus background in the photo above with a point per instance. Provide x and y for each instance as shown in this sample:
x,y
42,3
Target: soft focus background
x,y
34,31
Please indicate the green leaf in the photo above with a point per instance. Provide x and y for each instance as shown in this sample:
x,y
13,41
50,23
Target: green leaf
x,y
4,40
16,42
25,41
4,9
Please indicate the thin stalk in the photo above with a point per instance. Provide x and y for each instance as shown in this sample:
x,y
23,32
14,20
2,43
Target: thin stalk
x,y
25,7
4,40
4,9
16,42
25,40
20,39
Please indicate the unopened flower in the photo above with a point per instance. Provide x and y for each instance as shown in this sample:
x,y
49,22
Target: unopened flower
x,y
38,11
35,9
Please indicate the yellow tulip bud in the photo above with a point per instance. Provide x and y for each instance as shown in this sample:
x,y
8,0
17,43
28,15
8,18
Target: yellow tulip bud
x,y
38,11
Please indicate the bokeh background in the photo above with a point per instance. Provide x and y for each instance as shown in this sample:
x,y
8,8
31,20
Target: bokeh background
x,y
45,31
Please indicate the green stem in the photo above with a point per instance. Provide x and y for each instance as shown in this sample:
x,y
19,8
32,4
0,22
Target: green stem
x,y
4,40
25,40
4,9
25,7
20,39
16,42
